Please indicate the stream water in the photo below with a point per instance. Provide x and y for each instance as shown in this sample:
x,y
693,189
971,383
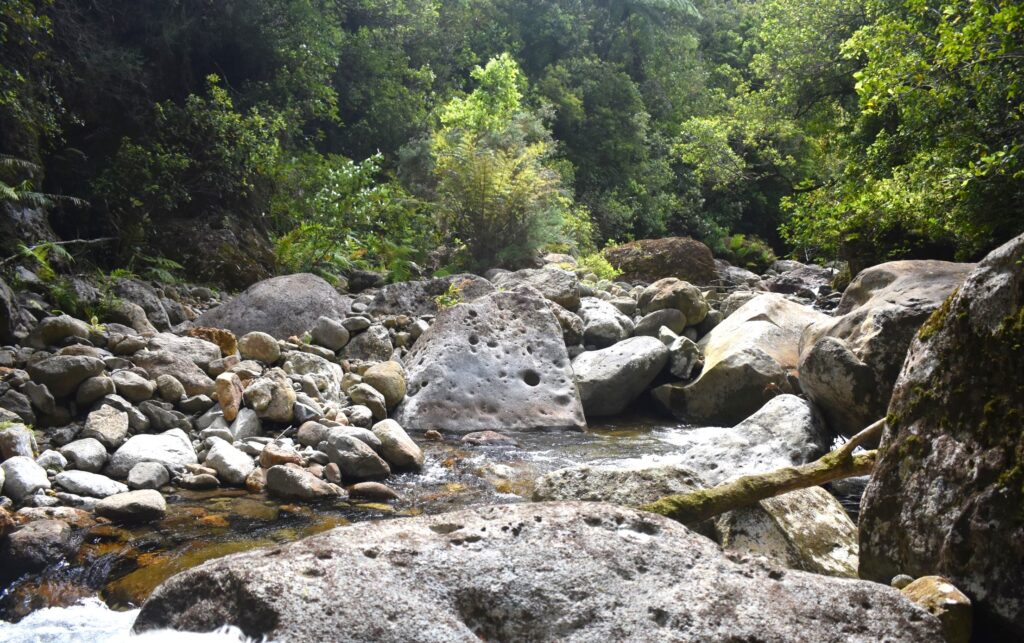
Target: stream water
x,y
115,569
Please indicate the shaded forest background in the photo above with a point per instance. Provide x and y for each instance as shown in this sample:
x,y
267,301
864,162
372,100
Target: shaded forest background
x,y
331,135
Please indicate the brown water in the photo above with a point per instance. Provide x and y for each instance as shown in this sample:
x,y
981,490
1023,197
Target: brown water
x,y
122,565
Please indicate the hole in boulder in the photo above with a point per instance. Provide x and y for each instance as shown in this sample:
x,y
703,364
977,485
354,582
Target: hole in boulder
x,y
474,339
531,377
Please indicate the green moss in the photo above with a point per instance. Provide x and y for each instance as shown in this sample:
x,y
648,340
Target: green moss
x,y
936,320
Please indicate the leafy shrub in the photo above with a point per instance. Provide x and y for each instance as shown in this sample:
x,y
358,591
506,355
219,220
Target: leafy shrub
x,y
749,252
596,263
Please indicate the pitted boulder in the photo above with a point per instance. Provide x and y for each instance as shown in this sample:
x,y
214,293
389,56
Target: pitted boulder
x,y
418,298
498,363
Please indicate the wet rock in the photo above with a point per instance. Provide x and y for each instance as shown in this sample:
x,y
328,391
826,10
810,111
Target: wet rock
x,y
674,294
281,307
649,260
389,379
34,546
271,396
372,345
483,439
419,298
148,475
93,485
292,483
108,425
946,494
753,352
172,448
539,571
260,347
610,378
23,478
942,599
330,333
191,377
198,481
229,394
16,440
372,491
496,363
787,431
144,505
86,454
397,448
62,374
354,458
849,363
603,324
559,286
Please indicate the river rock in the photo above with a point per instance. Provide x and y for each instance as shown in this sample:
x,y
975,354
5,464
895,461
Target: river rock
x,y
610,378
388,378
649,260
293,483
18,404
941,598
231,464
52,331
787,431
52,461
324,374
144,505
86,454
201,352
849,364
753,352
172,448
371,345
559,286
651,324
603,324
397,448
946,494
148,475
132,386
497,363
671,293
260,347
23,477
108,425
538,571
84,483
419,298
371,398
15,440
143,295
62,374
330,333
246,425
683,356
183,369
228,390
571,324
807,282
281,307
35,546
354,457
272,396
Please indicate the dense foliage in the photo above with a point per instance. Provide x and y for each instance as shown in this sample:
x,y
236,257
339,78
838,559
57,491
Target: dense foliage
x,y
366,134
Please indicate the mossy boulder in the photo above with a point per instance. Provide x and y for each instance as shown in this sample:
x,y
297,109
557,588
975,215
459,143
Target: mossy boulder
x,y
947,495
649,260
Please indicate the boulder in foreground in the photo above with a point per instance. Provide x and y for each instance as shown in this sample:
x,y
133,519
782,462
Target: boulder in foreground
x,y
539,572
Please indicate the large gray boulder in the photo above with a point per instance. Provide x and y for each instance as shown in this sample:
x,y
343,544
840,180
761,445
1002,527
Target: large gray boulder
x,y
529,572
281,307
947,492
497,363
787,431
748,357
171,449
559,286
849,364
418,298
610,378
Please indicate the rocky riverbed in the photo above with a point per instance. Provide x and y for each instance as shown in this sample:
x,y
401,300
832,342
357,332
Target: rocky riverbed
x,y
185,426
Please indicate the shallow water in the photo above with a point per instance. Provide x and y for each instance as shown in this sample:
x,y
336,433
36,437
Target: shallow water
x,y
122,565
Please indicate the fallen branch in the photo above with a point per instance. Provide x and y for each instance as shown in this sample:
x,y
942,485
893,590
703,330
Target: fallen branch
x,y
697,506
